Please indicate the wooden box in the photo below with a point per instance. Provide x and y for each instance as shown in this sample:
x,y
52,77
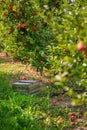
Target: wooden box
x,y
28,86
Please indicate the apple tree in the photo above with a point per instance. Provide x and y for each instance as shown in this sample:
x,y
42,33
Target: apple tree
x,y
48,34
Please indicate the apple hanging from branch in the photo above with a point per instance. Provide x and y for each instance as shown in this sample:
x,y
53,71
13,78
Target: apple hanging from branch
x,y
81,46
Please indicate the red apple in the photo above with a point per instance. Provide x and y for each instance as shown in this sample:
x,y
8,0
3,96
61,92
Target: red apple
x,y
34,28
23,78
10,6
54,101
24,25
72,116
81,46
19,25
34,13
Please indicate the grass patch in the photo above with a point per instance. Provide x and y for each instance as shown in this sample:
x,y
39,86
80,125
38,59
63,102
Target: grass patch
x,y
28,112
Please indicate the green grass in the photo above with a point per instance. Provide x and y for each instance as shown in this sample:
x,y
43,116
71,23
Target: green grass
x,y
27,112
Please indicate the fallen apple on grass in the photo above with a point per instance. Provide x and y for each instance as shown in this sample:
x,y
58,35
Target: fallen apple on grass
x,y
54,101
23,78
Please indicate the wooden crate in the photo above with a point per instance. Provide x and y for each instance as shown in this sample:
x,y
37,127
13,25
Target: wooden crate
x,y
28,86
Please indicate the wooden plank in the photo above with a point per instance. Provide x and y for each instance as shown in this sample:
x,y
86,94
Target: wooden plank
x,y
21,91
20,86
21,83
28,81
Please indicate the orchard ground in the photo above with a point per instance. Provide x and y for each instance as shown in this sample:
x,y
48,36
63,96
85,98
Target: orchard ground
x,y
52,111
